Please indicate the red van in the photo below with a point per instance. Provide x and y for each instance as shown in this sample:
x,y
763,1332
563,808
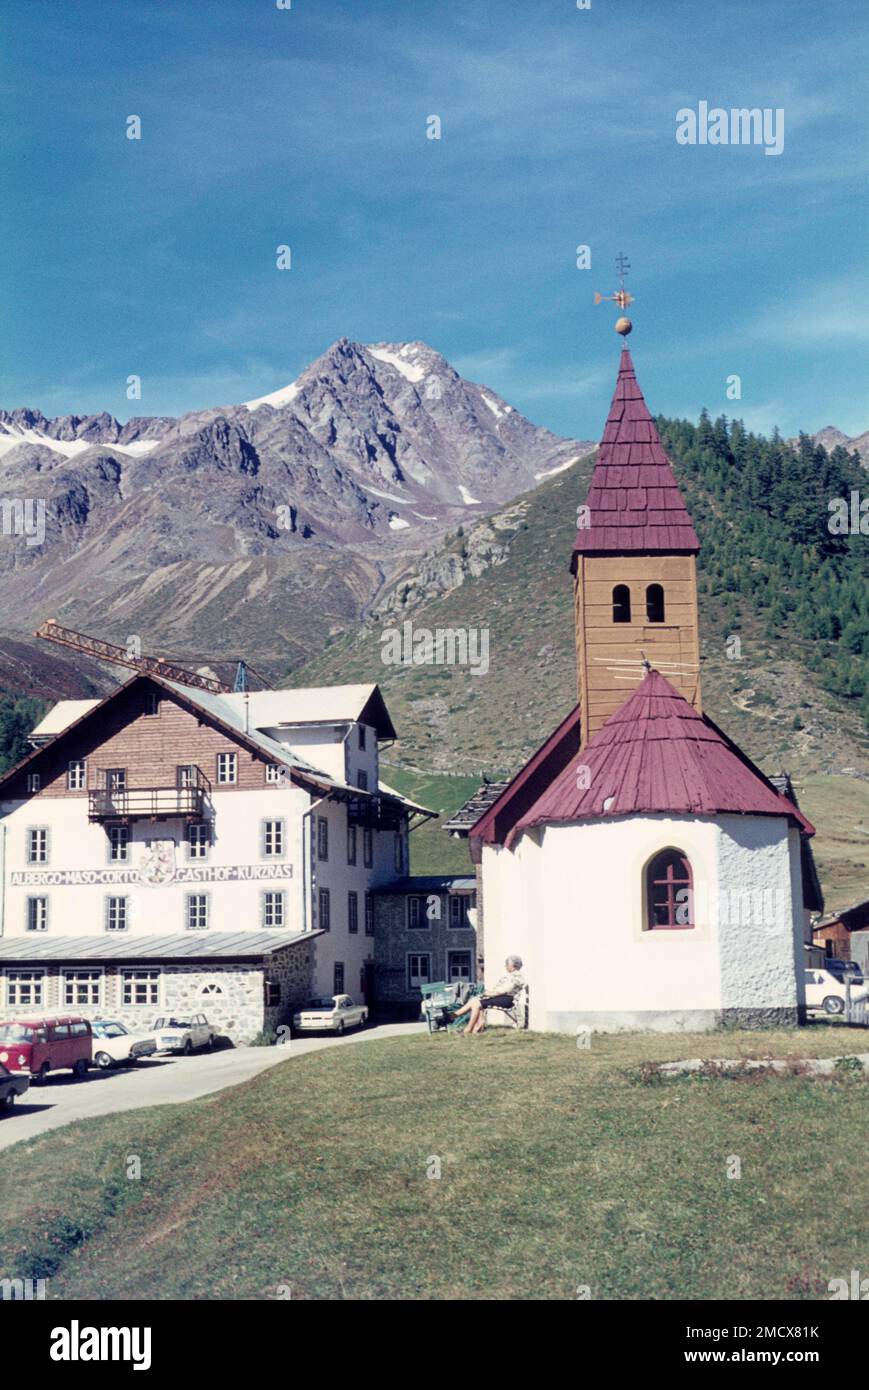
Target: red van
x,y
41,1045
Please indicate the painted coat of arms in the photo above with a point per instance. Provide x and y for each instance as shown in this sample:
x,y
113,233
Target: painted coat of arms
x,y
158,865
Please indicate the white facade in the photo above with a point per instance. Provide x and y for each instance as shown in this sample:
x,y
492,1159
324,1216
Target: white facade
x,y
570,900
277,857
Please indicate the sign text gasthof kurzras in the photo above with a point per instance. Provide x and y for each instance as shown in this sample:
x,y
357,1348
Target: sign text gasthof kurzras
x,y
187,873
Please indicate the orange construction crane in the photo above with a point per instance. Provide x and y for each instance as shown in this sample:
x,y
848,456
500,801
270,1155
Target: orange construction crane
x,y
51,631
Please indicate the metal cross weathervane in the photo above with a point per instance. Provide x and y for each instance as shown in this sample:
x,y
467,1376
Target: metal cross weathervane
x,y
621,296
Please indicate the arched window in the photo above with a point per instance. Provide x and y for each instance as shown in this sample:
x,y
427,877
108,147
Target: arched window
x,y
669,892
621,604
210,989
655,603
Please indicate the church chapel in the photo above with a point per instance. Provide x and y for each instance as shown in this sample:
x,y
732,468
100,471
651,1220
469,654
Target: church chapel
x,y
646,871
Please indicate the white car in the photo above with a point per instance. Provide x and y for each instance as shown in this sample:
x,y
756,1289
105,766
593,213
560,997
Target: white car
x,y
824,991
333,1013
114,1043
182,1032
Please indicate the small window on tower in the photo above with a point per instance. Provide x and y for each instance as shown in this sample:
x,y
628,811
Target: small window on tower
x,y
621,604
655,603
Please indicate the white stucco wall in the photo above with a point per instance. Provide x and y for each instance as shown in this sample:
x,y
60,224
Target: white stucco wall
x,y
570,901
339,944
80,909
333,750
77,844
761,940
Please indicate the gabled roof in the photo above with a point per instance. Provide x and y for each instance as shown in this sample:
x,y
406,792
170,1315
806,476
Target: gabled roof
x,y
267,709
59,717
633,498
521,793
853,918
657,755
461,821
325,704
230,720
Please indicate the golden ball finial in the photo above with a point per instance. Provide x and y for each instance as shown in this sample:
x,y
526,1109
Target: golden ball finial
x,y
623,326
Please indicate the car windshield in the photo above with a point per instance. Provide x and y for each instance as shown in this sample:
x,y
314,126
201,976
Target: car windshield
x,y
320,1004
109,1030
15,1032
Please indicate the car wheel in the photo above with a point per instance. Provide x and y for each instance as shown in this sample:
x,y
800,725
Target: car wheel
x,y
8,1100
833,1005
41,1074
80,1067
339,1031
363,1022
210,1043
188,1047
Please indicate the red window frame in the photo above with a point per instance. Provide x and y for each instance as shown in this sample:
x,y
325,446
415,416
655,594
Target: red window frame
x,y
667,874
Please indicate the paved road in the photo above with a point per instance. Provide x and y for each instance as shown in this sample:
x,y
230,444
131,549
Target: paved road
x,y
159,1081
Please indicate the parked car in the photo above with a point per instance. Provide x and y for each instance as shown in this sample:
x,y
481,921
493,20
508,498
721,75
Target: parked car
x,y
12,1084
333,1013
824,991
182,1032
844,969
41,1045
113,1043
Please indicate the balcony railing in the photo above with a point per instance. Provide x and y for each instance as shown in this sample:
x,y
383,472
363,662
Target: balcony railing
x,y
375,812
154,803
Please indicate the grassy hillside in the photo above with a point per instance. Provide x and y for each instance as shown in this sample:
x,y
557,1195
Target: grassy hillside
x,y
432,850
316,1180
838,807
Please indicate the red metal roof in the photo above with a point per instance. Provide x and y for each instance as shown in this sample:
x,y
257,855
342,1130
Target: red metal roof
x,y
633,497
527,786
657,754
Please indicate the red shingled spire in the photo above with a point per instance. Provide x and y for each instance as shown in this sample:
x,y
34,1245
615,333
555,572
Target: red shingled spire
x,y
657,754
634,500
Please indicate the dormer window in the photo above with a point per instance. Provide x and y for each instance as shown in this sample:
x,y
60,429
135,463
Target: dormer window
x,y
655,603
621,604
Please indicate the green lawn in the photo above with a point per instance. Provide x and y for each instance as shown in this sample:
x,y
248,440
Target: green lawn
x,y
560,1167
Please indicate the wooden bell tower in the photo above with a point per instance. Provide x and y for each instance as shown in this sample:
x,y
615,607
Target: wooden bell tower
x,y
634,562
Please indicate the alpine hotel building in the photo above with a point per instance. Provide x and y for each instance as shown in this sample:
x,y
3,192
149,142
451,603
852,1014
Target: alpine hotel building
x,y
167,849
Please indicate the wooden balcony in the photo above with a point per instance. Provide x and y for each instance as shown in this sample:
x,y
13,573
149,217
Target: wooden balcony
x,y
150,803
374,812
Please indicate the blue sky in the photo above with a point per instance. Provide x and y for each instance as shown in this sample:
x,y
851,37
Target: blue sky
x,y
307,127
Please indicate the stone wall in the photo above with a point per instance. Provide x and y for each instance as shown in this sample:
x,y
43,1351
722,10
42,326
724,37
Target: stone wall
x,y
230,994
394,941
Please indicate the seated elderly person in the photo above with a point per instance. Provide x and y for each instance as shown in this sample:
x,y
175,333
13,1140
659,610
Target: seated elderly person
x,y
502,995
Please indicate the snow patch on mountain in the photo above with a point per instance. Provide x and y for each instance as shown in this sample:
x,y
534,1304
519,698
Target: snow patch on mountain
x,y
13,435
278,398
551,472
398,360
